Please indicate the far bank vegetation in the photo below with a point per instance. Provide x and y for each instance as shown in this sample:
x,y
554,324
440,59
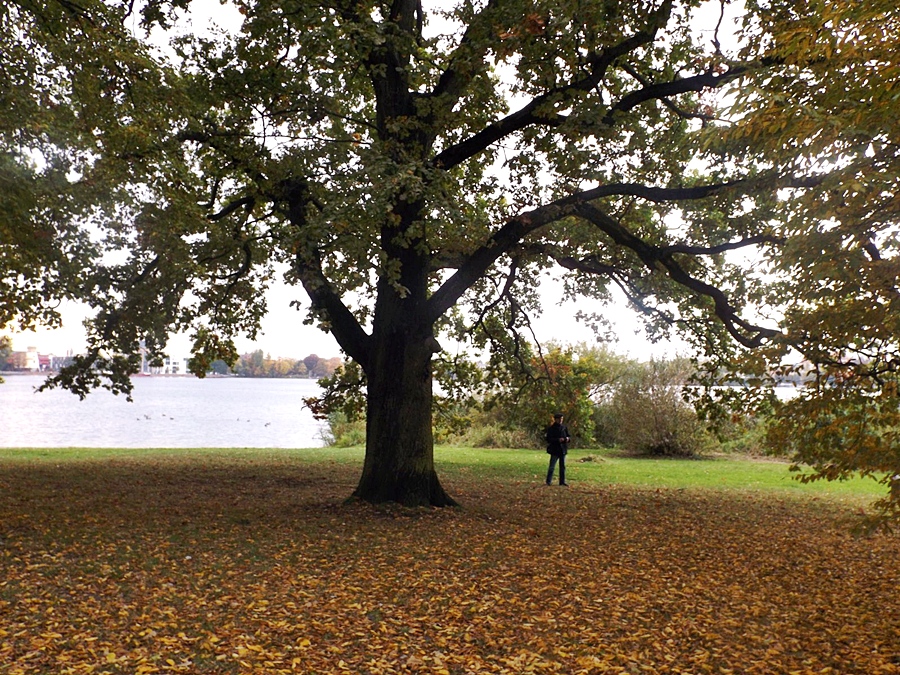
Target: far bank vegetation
x,y
260,364
642,408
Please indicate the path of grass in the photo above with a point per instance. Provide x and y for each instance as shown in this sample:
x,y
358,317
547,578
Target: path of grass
x,y
251,562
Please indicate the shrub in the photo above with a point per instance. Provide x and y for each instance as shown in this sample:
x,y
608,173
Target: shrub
x,y
496,436
605,424
342,433
748,439
651,416
743,433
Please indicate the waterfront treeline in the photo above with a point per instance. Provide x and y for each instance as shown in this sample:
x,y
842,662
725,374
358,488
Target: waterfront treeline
x,y
260,364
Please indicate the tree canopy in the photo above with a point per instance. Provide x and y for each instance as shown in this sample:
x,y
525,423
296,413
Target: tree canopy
x,y
830,110
417,167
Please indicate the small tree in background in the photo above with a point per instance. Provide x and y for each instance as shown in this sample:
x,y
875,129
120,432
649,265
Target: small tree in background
x,y
457,406
5,353
563,379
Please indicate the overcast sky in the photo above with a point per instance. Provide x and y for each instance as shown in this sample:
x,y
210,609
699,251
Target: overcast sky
x,y
283,332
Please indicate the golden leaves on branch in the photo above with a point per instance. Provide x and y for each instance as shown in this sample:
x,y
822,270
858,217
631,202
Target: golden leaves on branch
x,y
225,565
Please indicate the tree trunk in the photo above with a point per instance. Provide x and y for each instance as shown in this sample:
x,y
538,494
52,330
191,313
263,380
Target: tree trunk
x,y
399,464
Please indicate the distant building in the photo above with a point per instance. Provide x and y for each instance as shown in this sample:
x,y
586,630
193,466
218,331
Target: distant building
x,y
169,365
32,359
59,362
35,362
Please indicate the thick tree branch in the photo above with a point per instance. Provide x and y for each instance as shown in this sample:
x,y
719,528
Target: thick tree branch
x,y
652,193
685,114
506,238
482,140
231,208
663,90
460,71
147,271
528,114
667,194
742,331
588,265
343,325
516,229
308,266
721,248
872,250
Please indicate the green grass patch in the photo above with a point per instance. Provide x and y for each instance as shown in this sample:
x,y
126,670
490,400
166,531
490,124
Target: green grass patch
x,y
608,467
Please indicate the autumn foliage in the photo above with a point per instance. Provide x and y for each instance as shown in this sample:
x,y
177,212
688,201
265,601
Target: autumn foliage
x,y
218,564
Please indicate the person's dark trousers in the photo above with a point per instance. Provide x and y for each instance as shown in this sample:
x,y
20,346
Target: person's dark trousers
x,y
562,468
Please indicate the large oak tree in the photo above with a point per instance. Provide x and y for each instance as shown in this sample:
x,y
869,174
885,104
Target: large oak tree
x,y
417,167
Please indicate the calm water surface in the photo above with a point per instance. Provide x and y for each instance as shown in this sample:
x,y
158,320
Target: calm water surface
x,y
167,412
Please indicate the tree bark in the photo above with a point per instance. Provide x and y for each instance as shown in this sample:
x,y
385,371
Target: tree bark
x,y
399,463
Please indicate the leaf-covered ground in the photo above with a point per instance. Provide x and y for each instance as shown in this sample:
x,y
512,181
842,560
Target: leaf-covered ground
x,y
212,565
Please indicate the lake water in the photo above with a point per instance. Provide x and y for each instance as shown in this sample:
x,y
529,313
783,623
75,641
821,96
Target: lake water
x,y
167,412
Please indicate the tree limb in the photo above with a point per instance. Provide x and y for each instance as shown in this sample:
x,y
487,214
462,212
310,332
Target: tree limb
x,y
456,77
662,91
503,240
684,114
231,208
528,115
308,266
721,248
506,293
516,229
651,256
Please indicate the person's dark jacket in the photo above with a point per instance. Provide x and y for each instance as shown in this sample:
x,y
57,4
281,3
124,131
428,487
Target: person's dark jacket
x,y
557,439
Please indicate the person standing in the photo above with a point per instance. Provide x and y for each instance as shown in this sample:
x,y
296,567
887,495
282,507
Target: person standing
x,y
557,447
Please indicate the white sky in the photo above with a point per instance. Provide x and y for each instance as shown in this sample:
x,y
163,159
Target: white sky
x,y
283,333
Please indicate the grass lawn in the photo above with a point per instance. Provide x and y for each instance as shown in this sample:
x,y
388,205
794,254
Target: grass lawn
x,y
248,561
609,467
